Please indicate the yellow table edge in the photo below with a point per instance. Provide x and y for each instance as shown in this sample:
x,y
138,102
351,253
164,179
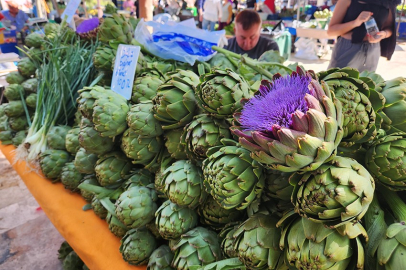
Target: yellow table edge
x,y
88,235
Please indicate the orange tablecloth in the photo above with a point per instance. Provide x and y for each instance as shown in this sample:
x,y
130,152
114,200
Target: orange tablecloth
x,y
88,235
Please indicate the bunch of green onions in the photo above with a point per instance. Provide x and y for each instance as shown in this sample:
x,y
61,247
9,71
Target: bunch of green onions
x,y
67,67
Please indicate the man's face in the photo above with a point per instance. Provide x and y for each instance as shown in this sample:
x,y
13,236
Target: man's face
x,y
247,39
12,7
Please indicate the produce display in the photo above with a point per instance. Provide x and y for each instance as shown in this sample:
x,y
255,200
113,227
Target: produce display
x,y
234,163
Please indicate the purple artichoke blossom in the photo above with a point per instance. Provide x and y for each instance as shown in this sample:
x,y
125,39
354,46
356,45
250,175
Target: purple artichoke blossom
x,y
292,123
88,29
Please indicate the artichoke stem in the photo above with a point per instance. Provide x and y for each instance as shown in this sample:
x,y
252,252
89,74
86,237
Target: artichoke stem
x,y
374,210
226,52
255,66
396,204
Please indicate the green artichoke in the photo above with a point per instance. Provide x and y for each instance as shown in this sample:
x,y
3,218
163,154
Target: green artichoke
x,y
141,120
385,160
109,112
159,181
394,108
137,246
360,123
145,88
161,259
140,177
292,124
64,250
111,168
14,78
277,185
203,133
173,220
72,140
72,262
392,248
92,180
140,149
336,193
98,208
30,85
14,108
56,137
376,78
173,143
256,242
86,102
103,58
51,30
14,92
115,226
309,245
26,67
6,137
136,206
184,184
232,177
92,141
175,102
18,123
227,242
4,126
71,177
52,161
117,28
34,40
19,137
221,91
213,215
2,109
31,100
197,247
85,162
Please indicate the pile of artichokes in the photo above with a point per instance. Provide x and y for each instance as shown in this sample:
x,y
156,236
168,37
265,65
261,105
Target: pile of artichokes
x,y
206,168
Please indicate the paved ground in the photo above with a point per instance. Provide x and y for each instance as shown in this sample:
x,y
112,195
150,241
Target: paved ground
x,y
28,240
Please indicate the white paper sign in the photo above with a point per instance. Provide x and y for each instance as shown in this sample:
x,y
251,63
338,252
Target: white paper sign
x,y
70,10
124,69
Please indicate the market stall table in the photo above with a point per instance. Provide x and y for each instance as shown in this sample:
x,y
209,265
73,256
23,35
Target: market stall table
x,y
88,235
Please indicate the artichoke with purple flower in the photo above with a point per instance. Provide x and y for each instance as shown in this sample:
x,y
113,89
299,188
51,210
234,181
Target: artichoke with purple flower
x,y
292,123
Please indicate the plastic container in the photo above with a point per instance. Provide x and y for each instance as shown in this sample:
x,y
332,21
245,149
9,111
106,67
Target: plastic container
x,y
9,42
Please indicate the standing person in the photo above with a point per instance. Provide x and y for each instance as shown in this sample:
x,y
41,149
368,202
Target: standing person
x,y
227,13
16,16
248,38
211,13
354,47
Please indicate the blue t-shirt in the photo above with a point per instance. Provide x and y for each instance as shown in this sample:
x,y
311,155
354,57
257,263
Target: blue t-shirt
x,y
18,20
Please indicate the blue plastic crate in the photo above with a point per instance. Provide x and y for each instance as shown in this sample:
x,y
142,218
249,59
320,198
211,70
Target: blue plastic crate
x,y
9,48
402,29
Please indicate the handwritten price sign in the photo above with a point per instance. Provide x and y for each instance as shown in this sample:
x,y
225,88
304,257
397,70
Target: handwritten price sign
x,y
124,69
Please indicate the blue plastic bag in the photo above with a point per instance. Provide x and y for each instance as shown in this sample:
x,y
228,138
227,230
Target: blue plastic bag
x,y
179,41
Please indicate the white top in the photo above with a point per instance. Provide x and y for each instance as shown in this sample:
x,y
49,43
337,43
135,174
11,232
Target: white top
x,y
212,10
225,13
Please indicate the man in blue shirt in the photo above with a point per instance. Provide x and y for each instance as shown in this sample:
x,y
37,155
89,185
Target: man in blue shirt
x,y
17,17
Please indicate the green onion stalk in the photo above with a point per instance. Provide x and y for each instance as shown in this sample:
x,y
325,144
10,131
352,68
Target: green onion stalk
x,y
67,67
